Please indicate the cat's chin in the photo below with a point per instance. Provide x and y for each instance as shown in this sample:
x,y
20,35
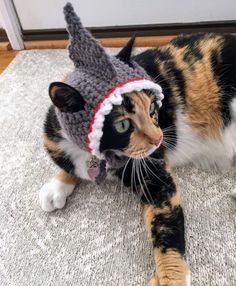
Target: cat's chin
x,y
153,149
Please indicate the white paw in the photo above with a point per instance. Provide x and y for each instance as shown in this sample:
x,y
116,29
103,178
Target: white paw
x,y
53,195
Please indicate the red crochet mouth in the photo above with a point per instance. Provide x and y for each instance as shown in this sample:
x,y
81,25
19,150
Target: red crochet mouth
x,y
100,104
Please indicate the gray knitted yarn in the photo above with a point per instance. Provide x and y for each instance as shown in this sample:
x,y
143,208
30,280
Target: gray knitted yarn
x,y
94,75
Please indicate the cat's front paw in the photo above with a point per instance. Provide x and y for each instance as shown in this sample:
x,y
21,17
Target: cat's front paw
x,y
156,281
53,195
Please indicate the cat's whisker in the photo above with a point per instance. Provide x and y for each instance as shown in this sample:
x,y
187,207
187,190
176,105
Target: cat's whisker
x,y
169,132
144,179
155,175
170,135
144,165
122,178
132,178
135,173
174,137
149,170
166,134
171,147
141,186
153,160
171,127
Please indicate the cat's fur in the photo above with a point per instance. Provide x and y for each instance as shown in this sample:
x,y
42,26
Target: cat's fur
x,y
197,123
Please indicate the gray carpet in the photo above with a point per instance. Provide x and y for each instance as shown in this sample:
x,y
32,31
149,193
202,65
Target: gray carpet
x,y
99,238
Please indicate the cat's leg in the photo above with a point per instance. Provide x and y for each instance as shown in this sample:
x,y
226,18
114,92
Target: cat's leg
x,y
53,194
164,220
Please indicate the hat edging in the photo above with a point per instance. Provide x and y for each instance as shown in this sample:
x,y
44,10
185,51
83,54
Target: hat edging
x,y
104,107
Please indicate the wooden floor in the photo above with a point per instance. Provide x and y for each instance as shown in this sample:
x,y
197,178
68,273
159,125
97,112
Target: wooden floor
x,y
6,55
151,41
5,58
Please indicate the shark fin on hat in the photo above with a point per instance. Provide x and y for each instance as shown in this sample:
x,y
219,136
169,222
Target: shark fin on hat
x,y
85,52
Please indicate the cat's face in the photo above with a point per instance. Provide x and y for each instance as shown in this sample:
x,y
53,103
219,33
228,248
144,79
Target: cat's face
x,y
132,129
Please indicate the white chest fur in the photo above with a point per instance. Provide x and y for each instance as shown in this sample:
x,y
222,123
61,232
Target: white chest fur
x,y
205,153
78,157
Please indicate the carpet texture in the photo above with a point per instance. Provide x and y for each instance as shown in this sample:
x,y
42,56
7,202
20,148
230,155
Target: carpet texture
x,y
99,238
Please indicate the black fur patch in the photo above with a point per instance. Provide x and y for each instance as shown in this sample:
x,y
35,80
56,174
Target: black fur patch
x,y
168,231
111,139
128,104
192,55
160,186
188,40
147,61
52,126
63,161
224,67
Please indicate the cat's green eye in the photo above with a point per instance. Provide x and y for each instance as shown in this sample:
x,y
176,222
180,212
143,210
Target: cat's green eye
x,y
122,126
152,108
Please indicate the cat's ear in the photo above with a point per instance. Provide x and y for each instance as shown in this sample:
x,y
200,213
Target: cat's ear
x,y
125,54
65,97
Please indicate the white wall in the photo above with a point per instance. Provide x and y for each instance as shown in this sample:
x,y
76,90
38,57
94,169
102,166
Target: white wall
x,y
1,25
44,14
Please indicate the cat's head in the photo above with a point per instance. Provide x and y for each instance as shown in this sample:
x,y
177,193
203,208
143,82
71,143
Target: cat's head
x,y
132,128
106,96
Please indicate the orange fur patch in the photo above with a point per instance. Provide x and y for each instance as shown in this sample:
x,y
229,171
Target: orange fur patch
x,y
51,145
146,132
175,200
66,178
171,269
201,88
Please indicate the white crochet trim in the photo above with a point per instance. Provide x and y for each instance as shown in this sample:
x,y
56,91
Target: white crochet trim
x,y
116,98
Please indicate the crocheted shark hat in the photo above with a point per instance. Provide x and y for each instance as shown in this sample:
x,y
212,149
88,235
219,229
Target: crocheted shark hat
x,y
101,80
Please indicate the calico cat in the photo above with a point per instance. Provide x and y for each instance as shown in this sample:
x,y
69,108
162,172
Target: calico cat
x,y
196,123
